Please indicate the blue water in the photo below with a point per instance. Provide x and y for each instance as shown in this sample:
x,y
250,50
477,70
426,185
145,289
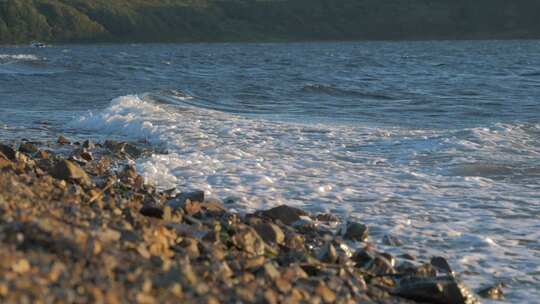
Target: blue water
x,y
437,143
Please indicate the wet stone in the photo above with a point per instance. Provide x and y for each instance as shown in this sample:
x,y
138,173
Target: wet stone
x,y
441,264
62,140
356,231
8,151
445,290
286,214
28,148
494,292
270,233
180,200
68,170
152,211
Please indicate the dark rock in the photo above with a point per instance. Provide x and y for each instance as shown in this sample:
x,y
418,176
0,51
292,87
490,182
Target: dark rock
x,y
151,211
328,253
286,214
379,266
62,140
88,144
132,151
362,257
68,170
494,292
327,217
28,148
356,231
8,151
444,290
270,233
442,265
86,156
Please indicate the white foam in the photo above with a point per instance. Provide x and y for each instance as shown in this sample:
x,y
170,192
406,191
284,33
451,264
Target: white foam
x,y
395,179
19,57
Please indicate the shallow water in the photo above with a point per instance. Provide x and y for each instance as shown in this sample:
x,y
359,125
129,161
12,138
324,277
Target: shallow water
x,y
437,143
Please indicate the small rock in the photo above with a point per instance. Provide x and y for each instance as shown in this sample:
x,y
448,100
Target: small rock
x,y
328,253
271,271
86,156
180,200
151,211
270,233
286,214
494,292
67,170
327,217
8,151
21,266
356,231
62,140
441,264
132,151
247,239
445,290
88,144
325,293
28,148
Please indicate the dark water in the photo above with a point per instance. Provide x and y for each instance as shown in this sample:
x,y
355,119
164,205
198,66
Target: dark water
x,y
437,143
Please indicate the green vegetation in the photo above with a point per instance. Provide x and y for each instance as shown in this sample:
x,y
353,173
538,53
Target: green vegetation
x,y
247,20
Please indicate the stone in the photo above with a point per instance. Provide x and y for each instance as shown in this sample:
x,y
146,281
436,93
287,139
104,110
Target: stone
x,y
86,156
327,217
8,151
180,200
132,151
270,233
247,239
151,211
62,140
494,292
356,231
325,293
271,271
446,290
286,214
328,253
362,257
441,265
87,144
28,148
70,171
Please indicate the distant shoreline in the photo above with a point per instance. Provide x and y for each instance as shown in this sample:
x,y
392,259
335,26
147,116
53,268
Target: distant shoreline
x,y
122,21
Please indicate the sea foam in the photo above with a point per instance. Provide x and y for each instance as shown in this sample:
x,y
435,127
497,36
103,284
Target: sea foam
x,y
405,182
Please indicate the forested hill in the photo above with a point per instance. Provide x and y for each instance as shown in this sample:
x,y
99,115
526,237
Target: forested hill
x,y
263,20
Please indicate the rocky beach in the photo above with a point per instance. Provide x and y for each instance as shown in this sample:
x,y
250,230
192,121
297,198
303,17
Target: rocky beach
x,y
78,224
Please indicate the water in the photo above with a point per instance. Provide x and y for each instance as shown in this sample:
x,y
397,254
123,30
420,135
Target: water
x,y
437,143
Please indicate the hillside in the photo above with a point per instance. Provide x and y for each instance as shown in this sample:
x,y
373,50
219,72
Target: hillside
x,y
248,20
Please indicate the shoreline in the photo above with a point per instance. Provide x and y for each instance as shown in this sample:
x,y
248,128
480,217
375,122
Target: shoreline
x,y
78,223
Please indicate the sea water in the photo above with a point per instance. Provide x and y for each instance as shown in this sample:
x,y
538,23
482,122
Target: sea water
x,y
435,143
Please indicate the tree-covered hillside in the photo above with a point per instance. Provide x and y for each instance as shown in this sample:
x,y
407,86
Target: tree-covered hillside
x,y
235,20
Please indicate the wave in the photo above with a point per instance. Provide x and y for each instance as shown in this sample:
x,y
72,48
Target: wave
x,y
335,91
18,57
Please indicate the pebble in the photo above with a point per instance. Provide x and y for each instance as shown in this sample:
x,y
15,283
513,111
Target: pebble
x,y
270,233
356,231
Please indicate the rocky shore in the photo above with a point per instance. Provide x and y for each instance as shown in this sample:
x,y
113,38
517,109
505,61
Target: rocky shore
x,y
79,225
